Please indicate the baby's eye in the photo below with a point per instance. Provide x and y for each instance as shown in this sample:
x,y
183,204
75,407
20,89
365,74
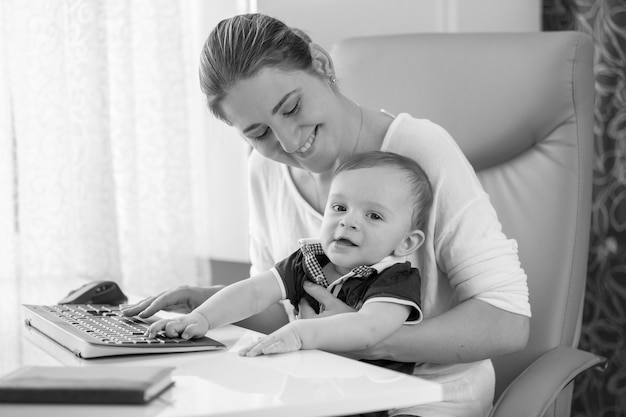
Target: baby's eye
x,y
338,207
375,216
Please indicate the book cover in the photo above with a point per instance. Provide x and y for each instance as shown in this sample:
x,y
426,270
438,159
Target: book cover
x,y
85,384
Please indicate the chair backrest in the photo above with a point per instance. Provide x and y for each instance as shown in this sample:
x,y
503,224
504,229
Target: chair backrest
x,y
521,108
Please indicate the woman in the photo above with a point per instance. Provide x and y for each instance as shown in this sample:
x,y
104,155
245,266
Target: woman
x,y
279,90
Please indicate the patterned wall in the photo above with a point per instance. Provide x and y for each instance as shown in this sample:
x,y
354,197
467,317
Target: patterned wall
x,y
604,323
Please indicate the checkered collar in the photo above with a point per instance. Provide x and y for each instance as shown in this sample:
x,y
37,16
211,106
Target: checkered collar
x,y
312,247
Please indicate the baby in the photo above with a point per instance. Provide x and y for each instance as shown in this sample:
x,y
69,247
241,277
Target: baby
x,y
377,207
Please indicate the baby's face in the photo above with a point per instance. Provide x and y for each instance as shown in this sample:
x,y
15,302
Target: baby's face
x,y
367,217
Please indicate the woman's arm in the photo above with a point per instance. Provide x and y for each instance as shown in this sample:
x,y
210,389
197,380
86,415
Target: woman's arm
x,y
182,299
471,331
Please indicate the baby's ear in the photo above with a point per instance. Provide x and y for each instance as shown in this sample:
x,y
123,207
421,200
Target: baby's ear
x,y
411,242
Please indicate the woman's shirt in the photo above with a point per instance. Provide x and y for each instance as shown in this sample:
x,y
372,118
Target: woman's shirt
x,y
465,254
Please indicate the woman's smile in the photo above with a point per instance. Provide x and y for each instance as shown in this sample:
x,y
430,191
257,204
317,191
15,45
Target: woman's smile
x,y
309,142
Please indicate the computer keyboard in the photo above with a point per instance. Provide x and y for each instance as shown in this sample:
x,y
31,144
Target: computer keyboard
x,y
101,330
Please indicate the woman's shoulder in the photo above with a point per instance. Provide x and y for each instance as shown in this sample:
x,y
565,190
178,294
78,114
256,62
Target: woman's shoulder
x,y
406,127
422,139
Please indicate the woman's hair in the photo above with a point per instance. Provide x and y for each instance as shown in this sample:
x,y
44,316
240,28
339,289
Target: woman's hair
x,y
421,192
242,45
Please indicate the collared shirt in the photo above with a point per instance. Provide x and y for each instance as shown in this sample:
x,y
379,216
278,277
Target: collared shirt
x,y
392,280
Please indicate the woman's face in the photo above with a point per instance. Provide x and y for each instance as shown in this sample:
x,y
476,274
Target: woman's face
x,y
295,118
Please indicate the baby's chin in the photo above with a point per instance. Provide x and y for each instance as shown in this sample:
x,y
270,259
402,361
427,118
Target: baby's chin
x,y
344,260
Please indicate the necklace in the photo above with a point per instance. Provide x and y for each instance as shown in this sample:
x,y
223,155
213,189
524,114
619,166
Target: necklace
x,y
318,193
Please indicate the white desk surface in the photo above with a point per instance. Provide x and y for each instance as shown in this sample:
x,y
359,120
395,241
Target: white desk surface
x,y
221,383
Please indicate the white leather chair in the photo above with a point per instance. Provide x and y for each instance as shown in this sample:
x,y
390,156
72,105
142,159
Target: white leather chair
x,y
521,108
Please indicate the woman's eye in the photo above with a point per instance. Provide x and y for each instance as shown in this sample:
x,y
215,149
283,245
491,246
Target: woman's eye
x,y
294,109
261,136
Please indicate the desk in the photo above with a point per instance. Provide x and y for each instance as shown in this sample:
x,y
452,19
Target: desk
x,y
221,383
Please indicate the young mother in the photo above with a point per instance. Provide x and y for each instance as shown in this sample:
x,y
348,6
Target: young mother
x,y
279,90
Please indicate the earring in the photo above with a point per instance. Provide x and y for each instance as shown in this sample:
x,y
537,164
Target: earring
x,y
333,80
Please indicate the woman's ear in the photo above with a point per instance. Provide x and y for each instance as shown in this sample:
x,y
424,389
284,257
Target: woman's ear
x,y
411,242
322,62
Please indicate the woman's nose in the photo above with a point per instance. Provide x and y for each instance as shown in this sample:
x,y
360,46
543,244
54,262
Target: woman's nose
x,y
288,137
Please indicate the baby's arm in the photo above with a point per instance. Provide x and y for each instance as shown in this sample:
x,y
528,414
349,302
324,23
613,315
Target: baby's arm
x,y
231,304
339,333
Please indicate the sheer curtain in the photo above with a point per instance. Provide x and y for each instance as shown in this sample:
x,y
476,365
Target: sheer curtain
x,y
94,146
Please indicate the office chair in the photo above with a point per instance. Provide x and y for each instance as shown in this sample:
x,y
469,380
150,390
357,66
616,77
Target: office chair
x,y
520,107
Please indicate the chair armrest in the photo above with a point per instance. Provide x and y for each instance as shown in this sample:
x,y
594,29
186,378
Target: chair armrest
x,y
532,392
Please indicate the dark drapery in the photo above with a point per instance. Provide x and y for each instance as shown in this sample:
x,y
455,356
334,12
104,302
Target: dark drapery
x,y
604,321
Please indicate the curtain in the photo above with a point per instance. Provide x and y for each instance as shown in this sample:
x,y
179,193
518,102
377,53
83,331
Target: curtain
x,y
604,321
94,148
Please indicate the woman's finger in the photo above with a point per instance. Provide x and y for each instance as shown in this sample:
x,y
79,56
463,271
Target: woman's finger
x,y
306,311
138,307
162,302
172,300
317,291
331,304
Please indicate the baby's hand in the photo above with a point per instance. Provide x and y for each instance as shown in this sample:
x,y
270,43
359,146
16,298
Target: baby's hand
x,y
285,339
186,327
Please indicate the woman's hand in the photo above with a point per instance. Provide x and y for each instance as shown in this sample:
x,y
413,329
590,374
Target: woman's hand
x,y
182,299
330,304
